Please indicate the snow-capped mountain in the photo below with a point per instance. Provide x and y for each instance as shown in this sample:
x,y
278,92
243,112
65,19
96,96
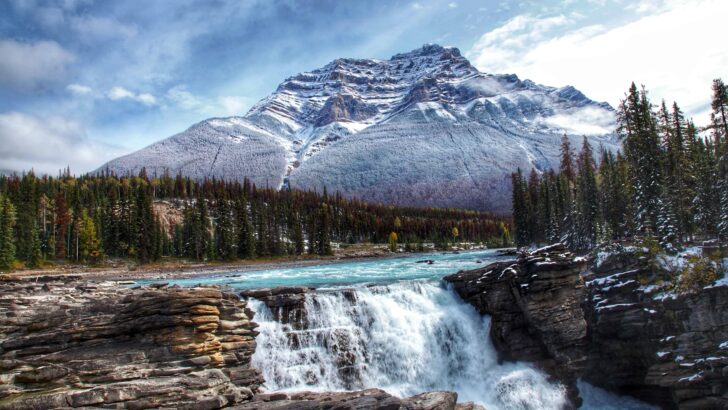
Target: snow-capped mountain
x,y
423,128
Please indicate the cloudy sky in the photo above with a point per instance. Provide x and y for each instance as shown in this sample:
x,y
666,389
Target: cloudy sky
x,y
83,81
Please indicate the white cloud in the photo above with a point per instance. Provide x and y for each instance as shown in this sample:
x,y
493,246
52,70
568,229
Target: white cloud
x,y
586,121
233,105
118,93
453,5
31,65
79,89
48,144
121,93
675,53
180,96
225,105
146,99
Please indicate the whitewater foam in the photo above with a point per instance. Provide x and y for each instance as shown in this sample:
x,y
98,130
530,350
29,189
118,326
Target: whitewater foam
x,y
406,338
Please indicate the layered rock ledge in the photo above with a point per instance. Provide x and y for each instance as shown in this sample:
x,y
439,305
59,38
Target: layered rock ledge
x,y
609,325
70,343
75,344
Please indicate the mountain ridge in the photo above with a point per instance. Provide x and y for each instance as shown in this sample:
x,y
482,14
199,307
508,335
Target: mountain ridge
x,y
461,130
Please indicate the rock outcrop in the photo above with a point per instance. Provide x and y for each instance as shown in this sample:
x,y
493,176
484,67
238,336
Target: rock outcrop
x,y
664,347
102,345
535,308
70,343
286,303
618,326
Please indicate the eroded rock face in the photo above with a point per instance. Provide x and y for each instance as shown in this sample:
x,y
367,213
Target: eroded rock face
x,y
660,346
286,303
535,307
76,344
611,325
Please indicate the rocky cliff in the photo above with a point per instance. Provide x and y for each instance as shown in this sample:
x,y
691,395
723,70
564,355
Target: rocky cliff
x,y
535,308
70,343
616,325
76,344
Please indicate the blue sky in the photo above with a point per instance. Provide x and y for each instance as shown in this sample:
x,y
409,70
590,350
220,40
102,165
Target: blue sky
x,y
82,81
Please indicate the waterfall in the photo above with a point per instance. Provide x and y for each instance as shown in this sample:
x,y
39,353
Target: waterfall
x,y
406,338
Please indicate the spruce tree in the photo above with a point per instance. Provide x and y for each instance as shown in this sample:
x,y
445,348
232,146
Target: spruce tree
x,y
262,240
520,209
28,244
587,197
719,104
719,118
707,195
323,241
567,159
667,225
246,234
224,231
34,258
7,224
297,234
143,223
638,127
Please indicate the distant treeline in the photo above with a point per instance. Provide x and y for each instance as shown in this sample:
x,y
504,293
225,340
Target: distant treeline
x,y
88,218
670,182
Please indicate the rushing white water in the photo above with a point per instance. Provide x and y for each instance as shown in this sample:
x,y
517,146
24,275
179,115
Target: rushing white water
x,y
406,334
406,338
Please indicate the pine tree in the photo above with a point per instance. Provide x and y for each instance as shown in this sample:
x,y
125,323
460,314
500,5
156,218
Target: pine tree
x,y
587,197
7,224
567,159
667,226
262,240
143,223
534,208
34,258
28,244
520,209
638,126
719,104
719,120
61,225
297,234
681,179
224,231
323,241
707,195
246,234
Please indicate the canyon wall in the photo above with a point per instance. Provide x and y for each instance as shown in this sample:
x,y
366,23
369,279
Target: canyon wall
x,y
610,326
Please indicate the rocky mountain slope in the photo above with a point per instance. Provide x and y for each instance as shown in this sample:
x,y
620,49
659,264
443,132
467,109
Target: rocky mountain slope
x,y
423,128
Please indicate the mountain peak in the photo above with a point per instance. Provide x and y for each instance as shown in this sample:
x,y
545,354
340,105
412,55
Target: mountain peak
x,y
424,128
428,50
